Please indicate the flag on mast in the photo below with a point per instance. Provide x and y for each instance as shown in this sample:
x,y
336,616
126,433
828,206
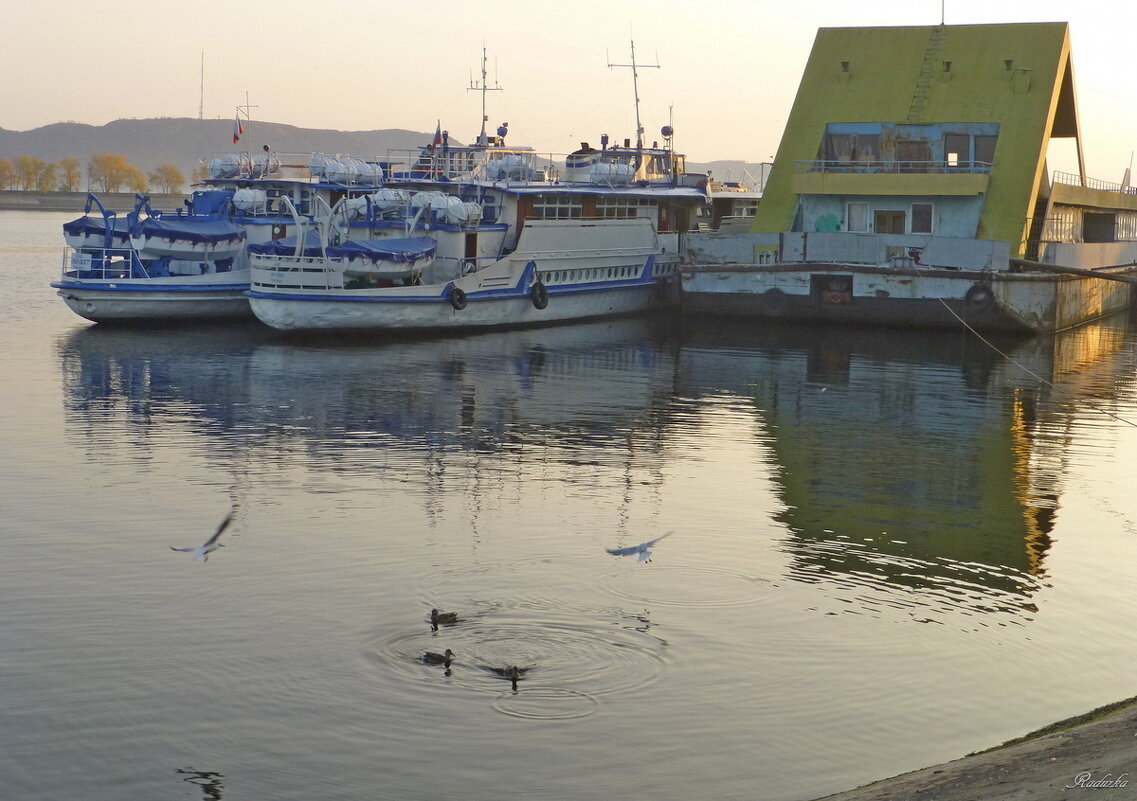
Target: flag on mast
x,y
238,128
437,135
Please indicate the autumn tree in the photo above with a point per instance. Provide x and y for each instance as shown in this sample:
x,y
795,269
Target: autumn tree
x,y
200,174
109,171
136,180
7,174
167,178
47,178
69,174
28,169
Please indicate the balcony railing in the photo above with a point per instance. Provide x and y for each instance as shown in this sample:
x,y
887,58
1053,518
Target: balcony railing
x,y
878,167
1072,179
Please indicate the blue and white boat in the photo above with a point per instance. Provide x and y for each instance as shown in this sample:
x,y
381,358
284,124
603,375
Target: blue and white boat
x,y
150,265
193,263
489,235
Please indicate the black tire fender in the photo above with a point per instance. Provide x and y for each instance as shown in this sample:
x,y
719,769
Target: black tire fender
x,y
457,298
539,295
774,302
979,296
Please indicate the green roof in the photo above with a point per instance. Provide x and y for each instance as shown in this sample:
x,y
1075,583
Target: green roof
x,y
1017,75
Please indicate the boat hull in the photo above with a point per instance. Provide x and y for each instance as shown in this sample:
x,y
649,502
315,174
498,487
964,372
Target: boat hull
x,y
154,299
1028,302
438,312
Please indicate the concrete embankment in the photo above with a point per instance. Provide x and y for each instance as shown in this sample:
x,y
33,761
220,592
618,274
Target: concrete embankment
x,y
74,201
1093,756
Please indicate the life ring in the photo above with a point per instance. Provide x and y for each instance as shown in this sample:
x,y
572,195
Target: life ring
x,y
774,302
979,297
539,295
457,298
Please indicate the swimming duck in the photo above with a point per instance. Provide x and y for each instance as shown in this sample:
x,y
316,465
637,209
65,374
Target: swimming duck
x,y
431,658
513,673
442,618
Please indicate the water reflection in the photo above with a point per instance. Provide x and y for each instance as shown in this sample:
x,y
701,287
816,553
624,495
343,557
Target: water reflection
x,y
918,473
586,385
918,461
210,783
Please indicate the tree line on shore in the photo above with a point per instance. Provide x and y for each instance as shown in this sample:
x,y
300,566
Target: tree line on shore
x,y
106,172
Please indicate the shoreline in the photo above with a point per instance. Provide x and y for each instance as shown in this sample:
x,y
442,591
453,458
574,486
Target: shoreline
x,y
1095,751
16,200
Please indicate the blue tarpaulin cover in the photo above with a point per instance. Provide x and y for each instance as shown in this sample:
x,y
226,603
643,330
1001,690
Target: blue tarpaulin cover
x,y
96,225
287,246
411,249
190,229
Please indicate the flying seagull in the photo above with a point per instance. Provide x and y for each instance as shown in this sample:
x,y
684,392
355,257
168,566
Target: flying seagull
x,y
643,549
210,545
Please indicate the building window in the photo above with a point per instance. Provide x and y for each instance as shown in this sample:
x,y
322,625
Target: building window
x,y
556,207
985,149
857,216
957,150
913,155
921,218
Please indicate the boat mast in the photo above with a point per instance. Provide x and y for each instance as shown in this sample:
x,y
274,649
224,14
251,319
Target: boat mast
x,y
248,119
636,90
201,96
483,87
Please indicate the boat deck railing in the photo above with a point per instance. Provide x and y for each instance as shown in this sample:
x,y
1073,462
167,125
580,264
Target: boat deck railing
x,y
104,264
296,272
877,167
408,165
464,164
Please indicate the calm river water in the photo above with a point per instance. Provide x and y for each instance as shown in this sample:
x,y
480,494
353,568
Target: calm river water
x,y
888,550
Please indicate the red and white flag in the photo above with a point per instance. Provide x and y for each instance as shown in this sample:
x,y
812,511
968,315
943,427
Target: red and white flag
x,y
238,128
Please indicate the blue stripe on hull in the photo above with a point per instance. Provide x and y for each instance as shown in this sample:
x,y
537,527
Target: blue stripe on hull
x,y
124,287
473,297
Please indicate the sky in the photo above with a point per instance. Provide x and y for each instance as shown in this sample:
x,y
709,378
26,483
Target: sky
x,y
727,70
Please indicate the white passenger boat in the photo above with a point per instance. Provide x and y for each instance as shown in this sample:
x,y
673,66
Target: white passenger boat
x,y
148,265
516,240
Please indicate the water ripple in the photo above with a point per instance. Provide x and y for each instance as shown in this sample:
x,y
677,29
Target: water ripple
x,y
568,664
547,703
688,585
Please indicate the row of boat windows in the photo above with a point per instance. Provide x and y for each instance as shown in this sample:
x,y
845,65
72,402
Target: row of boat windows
x,y
598,274
567,207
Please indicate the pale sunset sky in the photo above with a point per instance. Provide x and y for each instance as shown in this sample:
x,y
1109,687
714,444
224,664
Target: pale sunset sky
x,y
728,69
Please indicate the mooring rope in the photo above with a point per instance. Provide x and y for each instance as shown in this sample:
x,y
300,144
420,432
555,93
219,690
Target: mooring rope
x,y
1027,370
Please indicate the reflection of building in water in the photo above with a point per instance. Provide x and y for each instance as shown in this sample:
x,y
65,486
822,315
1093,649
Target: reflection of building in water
x,y
925,461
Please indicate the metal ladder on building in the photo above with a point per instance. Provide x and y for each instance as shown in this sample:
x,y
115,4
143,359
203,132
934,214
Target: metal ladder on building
x,y
924,81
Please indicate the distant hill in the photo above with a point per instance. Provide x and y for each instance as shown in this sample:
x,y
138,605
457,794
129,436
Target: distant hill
x,y
184,142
